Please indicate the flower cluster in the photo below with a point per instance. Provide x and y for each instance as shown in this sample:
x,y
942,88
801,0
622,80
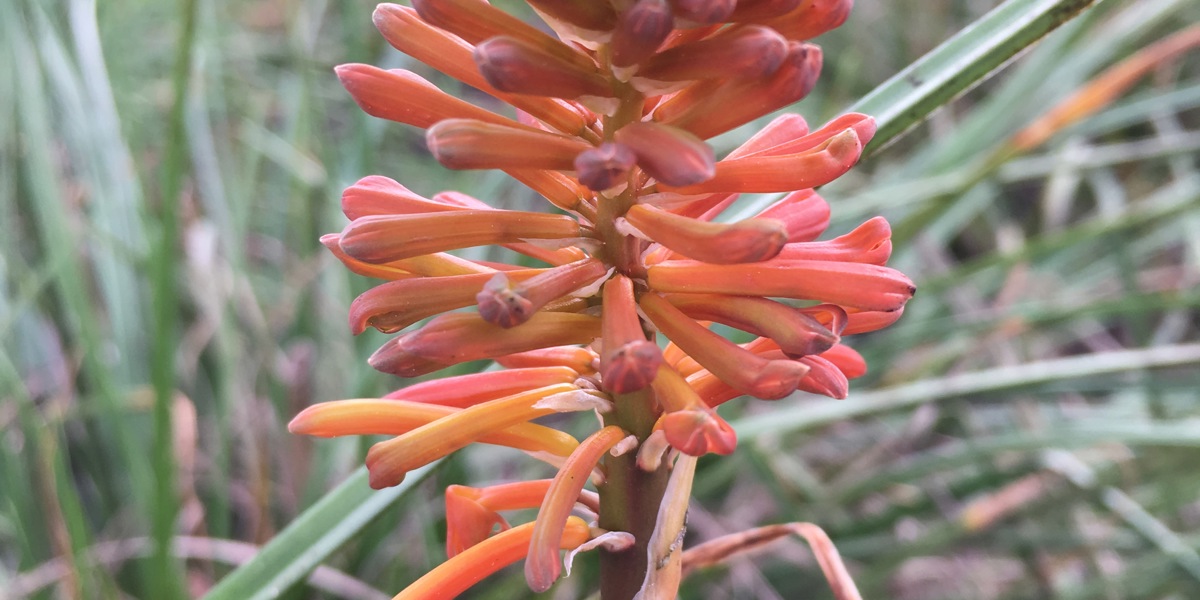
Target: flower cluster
x,y
610,121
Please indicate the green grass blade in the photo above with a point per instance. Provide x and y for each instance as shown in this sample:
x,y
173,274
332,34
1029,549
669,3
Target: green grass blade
x,y
312,537
962,61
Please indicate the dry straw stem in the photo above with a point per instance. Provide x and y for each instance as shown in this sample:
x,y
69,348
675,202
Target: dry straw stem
x,y
715,552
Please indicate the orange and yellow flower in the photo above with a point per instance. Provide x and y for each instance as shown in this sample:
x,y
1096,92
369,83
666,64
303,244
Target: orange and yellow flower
x,y
629,270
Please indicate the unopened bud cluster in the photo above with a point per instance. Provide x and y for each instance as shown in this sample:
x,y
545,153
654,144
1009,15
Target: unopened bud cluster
x,y
609,126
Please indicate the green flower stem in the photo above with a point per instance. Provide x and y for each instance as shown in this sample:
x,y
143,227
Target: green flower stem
x,y
629,499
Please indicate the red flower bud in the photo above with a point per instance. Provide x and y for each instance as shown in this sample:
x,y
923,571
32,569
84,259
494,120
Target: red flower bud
x,y
605,166
640,30
668,154
467,144
742,52
519,67
752,240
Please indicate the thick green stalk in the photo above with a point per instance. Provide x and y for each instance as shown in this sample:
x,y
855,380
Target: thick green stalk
x,y
629,499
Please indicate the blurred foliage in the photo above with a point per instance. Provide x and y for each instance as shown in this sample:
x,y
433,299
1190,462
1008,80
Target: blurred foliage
x,y
1029,429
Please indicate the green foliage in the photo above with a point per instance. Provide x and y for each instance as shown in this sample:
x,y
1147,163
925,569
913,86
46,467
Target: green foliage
x,y
1028,429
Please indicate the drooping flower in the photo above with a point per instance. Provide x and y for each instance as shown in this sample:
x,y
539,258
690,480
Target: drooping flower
x,y
606,301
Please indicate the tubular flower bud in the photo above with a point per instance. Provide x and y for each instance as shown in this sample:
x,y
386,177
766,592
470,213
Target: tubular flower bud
x,y
640,31
542,562
847,360
581,360
798,334
824,378
388,461
863,126
376,195
854,285
477,20
668,154
582,14
703,12
472,513
448,53
742,52
628,361
405,97
860,321
371,416
467,144
689,425
438,264
468,390
604,166
869,243
744,371
456,575
384,238
811,18
709,110
765,174
506,305
454,338
519,67
757,10
749,241
804,214
393,306
698,431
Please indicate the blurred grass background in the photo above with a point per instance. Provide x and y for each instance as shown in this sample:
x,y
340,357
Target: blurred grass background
x,y
1029,429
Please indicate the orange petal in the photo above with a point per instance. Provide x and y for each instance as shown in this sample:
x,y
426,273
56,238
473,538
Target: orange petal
x,y
796,332
395,305
707,110
851,285
669,154
508,306
390,460
377,416
470,144
757,10
804,214
698,431
542,563
438,264
520,67
752,51
467,390
581,360
454,338
812,18
403,96
736,366
383,238
411,35
752,240
454,576
766,174
869,243
640,30
628,361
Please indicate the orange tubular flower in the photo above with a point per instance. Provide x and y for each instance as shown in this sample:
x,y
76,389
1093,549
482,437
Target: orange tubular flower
x,y
613,111
454,576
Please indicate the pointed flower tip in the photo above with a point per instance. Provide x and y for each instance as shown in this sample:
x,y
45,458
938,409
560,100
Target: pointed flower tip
x,y
699,431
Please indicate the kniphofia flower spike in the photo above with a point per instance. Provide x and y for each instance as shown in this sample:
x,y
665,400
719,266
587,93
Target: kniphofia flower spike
x,y
606,301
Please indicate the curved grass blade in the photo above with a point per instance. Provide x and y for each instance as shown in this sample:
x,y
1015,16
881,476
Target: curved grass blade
x,y
959,63
317,533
